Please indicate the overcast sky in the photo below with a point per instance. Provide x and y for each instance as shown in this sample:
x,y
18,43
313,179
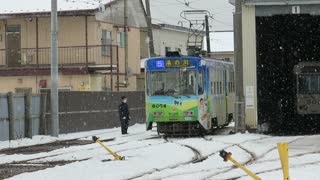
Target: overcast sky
x,y
168,11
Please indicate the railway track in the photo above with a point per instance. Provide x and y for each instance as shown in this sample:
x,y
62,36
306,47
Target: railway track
x,y
252,160
280,169
32,164
198,158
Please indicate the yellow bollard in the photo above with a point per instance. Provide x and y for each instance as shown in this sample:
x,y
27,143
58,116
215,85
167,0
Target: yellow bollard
x,y
284,157
227,156
115,155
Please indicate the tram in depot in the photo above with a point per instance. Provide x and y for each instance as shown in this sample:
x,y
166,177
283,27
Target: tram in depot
x,y
308,88
188,95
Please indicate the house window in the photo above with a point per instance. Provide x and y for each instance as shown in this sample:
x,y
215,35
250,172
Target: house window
x,y
121,39
106,42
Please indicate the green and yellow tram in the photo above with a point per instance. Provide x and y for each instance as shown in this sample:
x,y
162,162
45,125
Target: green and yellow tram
x,y
188,95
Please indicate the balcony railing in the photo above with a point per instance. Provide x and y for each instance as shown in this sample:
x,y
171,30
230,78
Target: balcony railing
x,y
68,56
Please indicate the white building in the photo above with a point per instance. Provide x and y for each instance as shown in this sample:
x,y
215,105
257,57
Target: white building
x,y
222,45
170,38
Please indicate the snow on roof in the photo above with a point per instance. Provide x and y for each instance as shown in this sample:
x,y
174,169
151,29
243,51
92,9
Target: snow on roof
x,y
221,41
37,6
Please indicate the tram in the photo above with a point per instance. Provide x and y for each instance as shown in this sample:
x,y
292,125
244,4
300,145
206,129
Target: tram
x,y
188,95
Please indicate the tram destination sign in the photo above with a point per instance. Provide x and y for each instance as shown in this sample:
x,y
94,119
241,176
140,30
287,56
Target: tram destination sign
x,y
174,63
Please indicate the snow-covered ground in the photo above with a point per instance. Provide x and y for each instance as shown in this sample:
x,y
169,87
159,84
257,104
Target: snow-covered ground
x,y
148,156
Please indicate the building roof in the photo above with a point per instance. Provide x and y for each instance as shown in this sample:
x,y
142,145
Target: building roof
x,y
11,7
173,28
278,2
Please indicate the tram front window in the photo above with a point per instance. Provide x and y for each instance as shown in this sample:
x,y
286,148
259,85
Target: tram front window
x,y
173,83
309,84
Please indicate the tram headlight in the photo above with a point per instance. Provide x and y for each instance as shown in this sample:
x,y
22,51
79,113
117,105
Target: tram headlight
x,y
189,113
157,113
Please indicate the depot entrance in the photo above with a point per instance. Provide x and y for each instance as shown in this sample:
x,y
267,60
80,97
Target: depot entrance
x,y
284,41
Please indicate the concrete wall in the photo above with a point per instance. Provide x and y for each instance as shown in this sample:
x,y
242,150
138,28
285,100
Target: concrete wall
x,y
249,65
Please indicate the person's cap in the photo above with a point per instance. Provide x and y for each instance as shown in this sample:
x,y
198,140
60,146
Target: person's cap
x,y
123,97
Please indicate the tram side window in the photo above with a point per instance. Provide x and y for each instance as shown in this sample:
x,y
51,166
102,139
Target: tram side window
x,y
231,82
215,87
309,84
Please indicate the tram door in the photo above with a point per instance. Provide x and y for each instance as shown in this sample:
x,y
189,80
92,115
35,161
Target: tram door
x,y
224,104
221,98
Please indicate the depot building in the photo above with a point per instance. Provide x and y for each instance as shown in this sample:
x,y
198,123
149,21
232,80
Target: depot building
x,y
279,36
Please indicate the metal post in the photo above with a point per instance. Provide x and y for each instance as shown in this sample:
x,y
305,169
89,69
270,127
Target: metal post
x,y
208,34
284,157
54,71
227,157
239,106
11,116
126,39
37,41
118,70
86,30
28,119
43,111
111,64
151,45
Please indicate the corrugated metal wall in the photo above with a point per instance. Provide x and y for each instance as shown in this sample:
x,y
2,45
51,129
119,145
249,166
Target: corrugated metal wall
x,y
84,111
19,118
249,65
4,118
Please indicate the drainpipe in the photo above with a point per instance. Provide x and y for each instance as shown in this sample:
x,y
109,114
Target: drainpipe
x,y
126,41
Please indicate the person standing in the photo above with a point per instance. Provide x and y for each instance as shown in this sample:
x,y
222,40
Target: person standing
x,y
124,115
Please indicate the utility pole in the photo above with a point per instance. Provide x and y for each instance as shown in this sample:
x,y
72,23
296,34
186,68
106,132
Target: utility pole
x,y
239,105
149,22
54,70
208,34
125,2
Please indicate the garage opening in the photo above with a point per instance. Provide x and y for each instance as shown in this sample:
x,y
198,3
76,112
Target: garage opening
x,y
285,42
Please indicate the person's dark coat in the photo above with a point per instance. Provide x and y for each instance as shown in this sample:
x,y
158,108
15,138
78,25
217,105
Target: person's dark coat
x,y
124,117
124,111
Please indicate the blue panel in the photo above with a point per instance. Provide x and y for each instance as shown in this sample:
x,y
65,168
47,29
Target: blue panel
x,y
35,113
3,107
4,130
160,64
19,113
